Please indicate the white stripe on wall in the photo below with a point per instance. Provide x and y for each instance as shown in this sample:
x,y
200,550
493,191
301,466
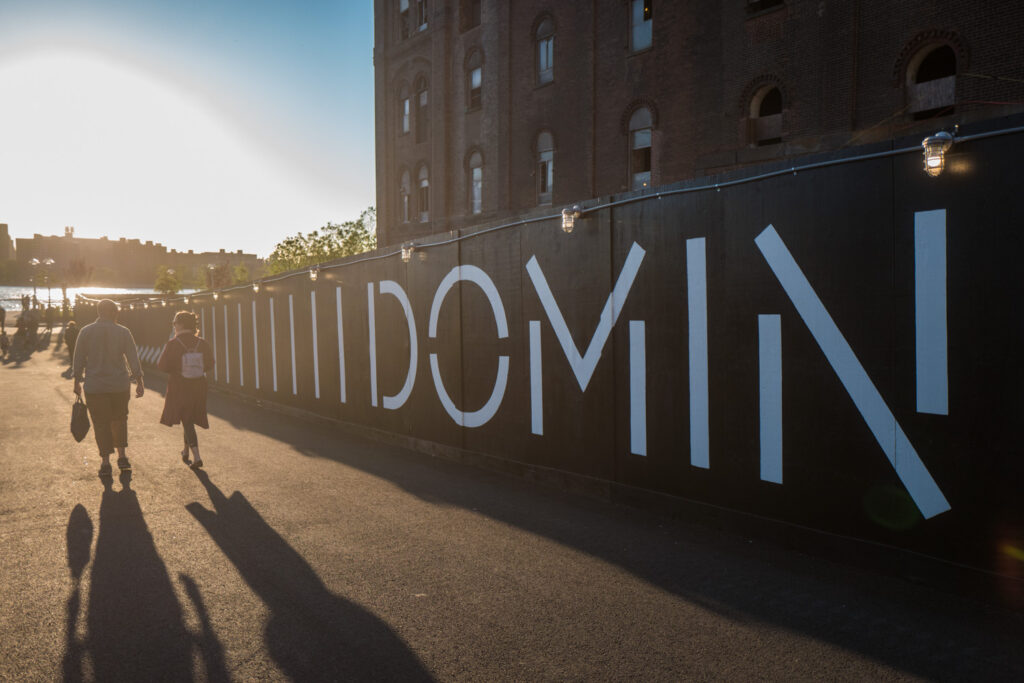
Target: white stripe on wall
x,y
697,301
255,346
241,365
769,365
930,311
341,346
316,353
213,323
637,388
536,381
227,348
373,343
273,343
291,327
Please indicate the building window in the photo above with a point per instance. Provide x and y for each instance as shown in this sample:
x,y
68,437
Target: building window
x,y
403,110
640,149
474,80
545,167
403,197
421,15
422,111
641,22
931,82
403,19
476,183
766,116
545,37
423,194
469,14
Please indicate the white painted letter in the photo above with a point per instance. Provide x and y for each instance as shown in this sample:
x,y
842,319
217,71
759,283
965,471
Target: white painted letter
x,y
490,408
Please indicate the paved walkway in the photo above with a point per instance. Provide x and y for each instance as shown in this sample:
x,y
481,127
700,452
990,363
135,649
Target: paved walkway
x,y
309,554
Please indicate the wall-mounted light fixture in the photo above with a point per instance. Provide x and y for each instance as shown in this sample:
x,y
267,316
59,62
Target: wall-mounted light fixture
x,y
407,250
569,217
935,148
255,288
314,273
216,295
186,301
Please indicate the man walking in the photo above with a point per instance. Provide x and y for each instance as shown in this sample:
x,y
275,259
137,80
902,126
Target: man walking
x,y
105,353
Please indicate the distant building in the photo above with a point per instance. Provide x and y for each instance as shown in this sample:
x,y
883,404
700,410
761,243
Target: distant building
x,y
6,245
487,109
129,262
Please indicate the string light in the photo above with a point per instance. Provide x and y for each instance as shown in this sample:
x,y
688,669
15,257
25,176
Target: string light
x,y
935,148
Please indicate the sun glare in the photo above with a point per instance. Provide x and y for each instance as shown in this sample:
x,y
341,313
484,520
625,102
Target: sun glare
x,y
113,150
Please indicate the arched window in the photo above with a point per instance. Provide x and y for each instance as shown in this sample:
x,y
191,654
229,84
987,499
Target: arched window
x,y
474,80
404,190
641,24
422,111
766,116
931,82
545,167
476,183
423,194
640,149
545,38
404,112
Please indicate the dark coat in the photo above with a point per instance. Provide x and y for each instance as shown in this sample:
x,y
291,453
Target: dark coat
x,y
186,398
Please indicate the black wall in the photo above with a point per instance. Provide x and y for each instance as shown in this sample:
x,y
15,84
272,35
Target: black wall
x,y
851,230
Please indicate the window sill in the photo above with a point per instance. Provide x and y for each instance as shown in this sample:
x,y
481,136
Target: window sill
x,y
636,53
539,86
473,110
765,12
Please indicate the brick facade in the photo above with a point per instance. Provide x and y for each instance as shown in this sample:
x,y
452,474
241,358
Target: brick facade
x,y
845,71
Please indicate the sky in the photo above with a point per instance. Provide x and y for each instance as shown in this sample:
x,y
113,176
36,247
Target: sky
x,y
199,124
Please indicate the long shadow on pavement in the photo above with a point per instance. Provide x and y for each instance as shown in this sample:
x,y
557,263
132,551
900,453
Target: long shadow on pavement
x,y
79,541
136,629
312,634
907,626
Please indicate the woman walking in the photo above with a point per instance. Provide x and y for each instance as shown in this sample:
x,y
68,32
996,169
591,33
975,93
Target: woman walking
x,y
186,359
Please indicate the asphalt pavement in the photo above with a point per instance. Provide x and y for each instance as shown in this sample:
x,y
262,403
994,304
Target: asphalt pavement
x,y
303,552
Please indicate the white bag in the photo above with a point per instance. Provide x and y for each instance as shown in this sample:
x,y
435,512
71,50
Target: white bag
x,y
192,366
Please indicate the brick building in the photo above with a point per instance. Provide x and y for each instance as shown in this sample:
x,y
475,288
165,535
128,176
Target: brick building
x,y
6,245
488,109
122,262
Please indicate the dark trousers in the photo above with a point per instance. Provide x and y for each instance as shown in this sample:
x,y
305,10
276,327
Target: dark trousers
x,y
109,414
191,438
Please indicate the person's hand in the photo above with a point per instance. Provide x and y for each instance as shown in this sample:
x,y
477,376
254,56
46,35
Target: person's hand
x,y
140,389
78,388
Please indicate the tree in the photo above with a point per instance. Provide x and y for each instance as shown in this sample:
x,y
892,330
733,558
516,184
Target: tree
x,y
78,272
328,243
167,281
241,274
218,275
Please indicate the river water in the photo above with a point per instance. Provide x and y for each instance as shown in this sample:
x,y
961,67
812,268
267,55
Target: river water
x,y
10,297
